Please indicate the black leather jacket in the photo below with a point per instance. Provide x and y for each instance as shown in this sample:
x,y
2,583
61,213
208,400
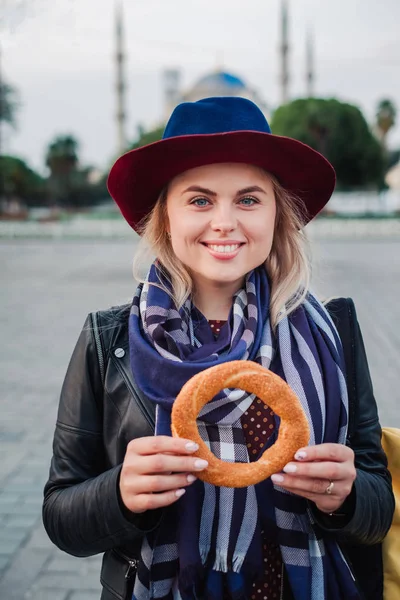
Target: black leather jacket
x,y
101,410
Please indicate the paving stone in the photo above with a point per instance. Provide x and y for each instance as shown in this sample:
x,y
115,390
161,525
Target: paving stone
x,y
4,561
13,457
50,594
84,596
10,546
22,521
8,508
22,572
35,499
67,581
24,487
7,497
39,540
24,509
12,533
66,563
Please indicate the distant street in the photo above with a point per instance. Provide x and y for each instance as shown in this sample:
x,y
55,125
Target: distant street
x,y
47,289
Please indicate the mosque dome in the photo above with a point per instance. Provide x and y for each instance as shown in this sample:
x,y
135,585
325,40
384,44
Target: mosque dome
x,y
219,83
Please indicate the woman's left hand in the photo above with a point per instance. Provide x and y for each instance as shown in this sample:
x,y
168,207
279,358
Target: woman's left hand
x,y
324,474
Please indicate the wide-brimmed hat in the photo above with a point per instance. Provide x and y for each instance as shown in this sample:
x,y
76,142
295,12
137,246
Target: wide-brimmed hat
x,y
218,130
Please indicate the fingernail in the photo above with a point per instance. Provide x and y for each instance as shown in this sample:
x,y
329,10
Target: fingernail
x,y
179,493
200,464
192,446
191,478
290,468
300,455
277,478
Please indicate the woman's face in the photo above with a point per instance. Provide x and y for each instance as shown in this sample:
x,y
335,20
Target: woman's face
x,y
221,221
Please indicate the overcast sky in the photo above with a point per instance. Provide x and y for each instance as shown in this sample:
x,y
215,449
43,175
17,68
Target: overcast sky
x,y
59,54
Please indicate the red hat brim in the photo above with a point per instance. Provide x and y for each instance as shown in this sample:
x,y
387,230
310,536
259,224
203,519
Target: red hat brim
x,y
138,177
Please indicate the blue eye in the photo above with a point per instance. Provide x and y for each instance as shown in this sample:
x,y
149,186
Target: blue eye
x,y
200,202
249,201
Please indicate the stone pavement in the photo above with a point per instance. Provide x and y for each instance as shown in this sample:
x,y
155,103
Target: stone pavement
x,y
48,287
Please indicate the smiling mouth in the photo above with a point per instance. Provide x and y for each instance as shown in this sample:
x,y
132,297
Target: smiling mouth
x,y
223,249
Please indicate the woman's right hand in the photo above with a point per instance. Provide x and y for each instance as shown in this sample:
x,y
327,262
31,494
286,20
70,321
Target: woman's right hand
x,y
156,471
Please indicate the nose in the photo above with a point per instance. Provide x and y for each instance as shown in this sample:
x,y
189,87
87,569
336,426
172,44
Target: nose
x,y
224,218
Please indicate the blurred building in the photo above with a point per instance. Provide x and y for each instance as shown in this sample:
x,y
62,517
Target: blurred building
x,y
393,177
216,83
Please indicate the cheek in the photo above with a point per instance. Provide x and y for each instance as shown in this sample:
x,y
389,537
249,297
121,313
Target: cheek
x,y
184,238
262,232
186,230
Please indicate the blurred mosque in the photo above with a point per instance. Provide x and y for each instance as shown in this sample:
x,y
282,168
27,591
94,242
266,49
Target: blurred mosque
x,y
216,83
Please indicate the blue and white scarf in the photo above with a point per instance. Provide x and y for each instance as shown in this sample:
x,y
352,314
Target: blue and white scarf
x,y
210,540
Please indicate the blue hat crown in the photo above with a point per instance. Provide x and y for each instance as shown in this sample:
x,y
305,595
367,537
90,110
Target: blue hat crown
x,y
216,115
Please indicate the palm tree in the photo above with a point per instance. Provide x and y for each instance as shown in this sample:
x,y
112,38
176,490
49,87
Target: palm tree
x,y
8,103
62,160
385,119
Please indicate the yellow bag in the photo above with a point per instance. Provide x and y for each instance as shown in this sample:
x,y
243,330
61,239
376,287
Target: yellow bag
x,y
391,544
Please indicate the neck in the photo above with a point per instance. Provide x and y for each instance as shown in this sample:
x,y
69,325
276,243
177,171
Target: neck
x,y
215,300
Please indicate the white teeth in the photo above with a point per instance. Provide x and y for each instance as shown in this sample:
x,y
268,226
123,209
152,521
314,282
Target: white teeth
x,y
223,249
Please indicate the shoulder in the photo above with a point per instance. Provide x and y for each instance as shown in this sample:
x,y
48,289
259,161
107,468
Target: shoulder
x,y
341,309
336,302
110,326
115,315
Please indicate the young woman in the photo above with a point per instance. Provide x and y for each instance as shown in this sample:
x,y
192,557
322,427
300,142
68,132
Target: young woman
x,y
221,203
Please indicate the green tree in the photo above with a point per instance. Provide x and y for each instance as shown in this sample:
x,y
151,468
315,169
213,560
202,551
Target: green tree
x,y
68,184
62,160
147,137
19,181
9,104
339,131
385,119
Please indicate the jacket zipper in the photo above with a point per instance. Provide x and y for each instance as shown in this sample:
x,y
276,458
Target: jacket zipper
x,y
132,564
98,345
350,568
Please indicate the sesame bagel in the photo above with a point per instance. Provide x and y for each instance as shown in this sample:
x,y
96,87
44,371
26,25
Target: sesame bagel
x,y
293,432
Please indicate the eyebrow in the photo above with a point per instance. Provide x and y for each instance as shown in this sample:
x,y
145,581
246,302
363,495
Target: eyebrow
x,y
201,190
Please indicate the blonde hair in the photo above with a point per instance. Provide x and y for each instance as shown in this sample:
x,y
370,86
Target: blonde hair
x,y
288,264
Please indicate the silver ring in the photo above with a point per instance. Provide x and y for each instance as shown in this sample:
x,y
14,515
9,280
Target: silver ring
x,y
329,488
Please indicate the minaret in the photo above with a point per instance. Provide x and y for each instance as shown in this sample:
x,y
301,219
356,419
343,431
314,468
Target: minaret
x,y
283,51
120,80
310,64
172,90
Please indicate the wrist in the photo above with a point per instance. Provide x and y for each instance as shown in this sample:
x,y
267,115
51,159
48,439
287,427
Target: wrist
x,y
146,521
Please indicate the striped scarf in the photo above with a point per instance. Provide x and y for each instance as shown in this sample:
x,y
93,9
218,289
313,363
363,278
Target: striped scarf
x,y
209,541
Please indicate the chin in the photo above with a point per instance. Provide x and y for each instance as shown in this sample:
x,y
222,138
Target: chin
x,y
220,278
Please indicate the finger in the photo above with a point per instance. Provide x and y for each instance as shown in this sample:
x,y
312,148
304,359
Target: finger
x,y
156,444
325,452
144,502
334,471
166,463
326,503
305,485
159,483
